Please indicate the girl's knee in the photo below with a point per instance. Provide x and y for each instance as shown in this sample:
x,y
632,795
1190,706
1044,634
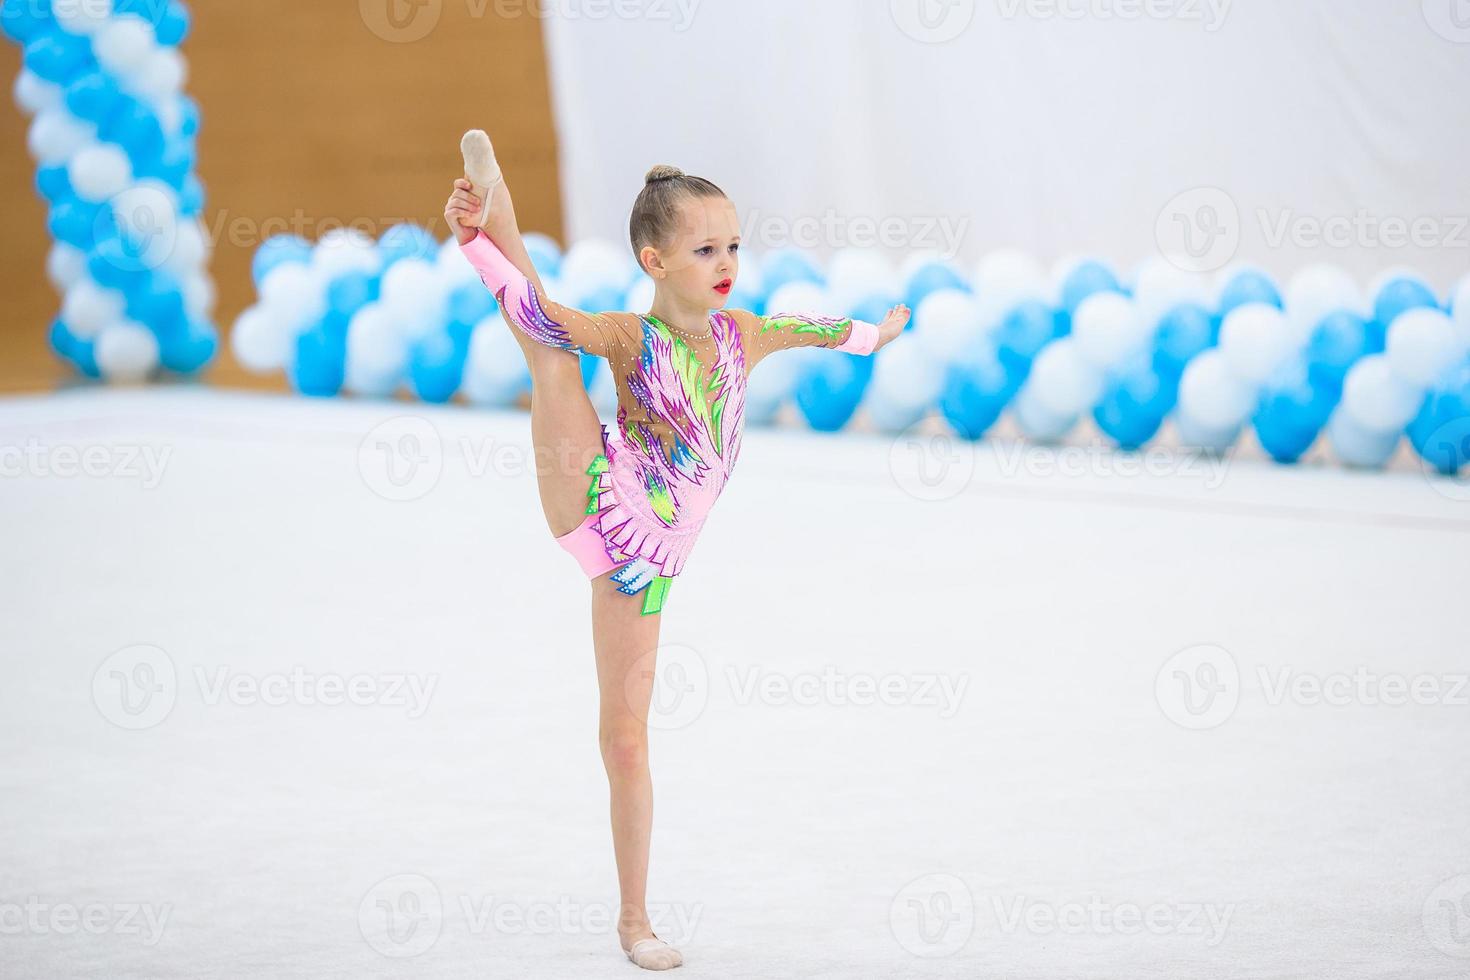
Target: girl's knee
x,y
624,749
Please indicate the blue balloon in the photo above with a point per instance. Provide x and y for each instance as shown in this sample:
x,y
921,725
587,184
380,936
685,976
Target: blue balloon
x,y
173,24
75,222
829,392
57,56
134,126
407,241
93,96
158,301
191,198
874,307
351,291
930,278
744,297
279,250
1398,296
24,20
186,345
1440,432
1185,332
118,264
1340,341
1248,286
188,117
1024,331
319,364
785,266
81,353
53,184
172,165
545,256
1088,278
1134,404
977,389
436,368
1288,420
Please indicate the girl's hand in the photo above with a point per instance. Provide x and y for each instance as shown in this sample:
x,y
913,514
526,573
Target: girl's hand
x,y
462,211
892,325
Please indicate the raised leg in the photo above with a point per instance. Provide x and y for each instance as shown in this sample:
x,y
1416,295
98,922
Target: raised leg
x,y
626,645
565,429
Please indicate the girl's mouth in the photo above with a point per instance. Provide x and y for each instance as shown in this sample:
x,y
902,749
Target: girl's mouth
x,y
723,287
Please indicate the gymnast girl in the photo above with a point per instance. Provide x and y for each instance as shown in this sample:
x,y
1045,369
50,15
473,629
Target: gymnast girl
x,y
628,503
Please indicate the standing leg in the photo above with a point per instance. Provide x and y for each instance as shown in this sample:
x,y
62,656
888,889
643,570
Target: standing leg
x,y
626,645
565,430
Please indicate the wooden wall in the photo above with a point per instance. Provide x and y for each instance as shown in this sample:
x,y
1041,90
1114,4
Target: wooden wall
x,y
315,114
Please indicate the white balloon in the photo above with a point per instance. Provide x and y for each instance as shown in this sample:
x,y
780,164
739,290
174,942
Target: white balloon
x,y
97,171
344,250
1376,398
771,383
261,342
905,375
916,260
81,16
124,44
1039,422
1007,277
853,274
199,296
1460,303
1108,330
294,295
34,94
1257,342
190,249
495,368
1064,382
147,214
1213,395
592,265
1422,345
946,324
160,77
65,266
1211,439
1320,290
799,297
1160,286
126,351
892,417
452,265
415,297
1384,277
89,307
374,343
639,297
56,136
1356,446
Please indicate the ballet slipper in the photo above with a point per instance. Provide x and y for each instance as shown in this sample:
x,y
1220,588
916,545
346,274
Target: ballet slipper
x,y
481,168
655,954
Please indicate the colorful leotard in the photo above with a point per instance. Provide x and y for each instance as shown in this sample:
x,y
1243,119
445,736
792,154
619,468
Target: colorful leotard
x,y
681,411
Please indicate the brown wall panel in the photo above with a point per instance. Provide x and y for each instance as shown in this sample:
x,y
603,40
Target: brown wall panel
x,y
315,114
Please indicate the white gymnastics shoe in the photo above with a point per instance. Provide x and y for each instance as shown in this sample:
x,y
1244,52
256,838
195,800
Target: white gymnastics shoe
x,y
480,167
655,954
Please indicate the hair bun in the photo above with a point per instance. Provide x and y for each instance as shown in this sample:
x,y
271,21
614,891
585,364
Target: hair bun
x,y
661,171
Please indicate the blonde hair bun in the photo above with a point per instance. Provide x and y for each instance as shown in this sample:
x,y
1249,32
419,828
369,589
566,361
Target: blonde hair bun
x,y
661,171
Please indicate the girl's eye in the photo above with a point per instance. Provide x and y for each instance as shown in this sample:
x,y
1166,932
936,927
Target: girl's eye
x,y
705,250
735,248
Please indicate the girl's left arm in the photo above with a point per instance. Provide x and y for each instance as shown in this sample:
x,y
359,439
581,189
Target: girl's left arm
x,y
764,335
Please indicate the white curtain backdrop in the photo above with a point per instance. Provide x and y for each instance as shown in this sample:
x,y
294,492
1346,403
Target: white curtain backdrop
x,y
1296,130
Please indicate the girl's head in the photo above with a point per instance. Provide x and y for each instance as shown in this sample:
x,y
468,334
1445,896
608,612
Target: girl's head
x,y
686,237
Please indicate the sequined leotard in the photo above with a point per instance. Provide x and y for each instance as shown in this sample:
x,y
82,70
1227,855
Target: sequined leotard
x,y
681,411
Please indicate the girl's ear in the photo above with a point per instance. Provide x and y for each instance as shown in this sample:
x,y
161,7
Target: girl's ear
x,y
652,264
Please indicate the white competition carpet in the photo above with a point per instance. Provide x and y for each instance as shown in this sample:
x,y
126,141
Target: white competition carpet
x,y
304,689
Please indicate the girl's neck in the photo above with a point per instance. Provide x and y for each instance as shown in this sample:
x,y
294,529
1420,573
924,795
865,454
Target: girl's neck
x,y
686,321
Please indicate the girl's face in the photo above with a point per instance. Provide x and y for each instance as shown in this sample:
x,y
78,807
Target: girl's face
x,y
702,262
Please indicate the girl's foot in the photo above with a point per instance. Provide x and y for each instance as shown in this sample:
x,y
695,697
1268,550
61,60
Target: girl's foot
x,y
483,171
652,953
